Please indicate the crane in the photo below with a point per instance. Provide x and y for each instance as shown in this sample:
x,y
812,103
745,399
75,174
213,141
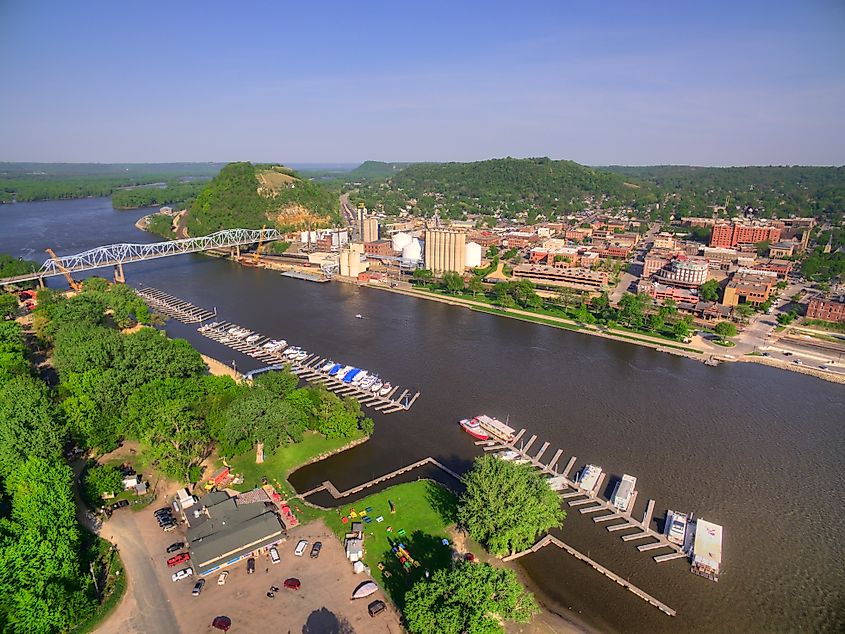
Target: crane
x,y
257,253
71,282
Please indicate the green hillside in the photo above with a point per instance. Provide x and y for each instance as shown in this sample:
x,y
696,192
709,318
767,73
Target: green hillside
x,y
778,191
535,185
249,196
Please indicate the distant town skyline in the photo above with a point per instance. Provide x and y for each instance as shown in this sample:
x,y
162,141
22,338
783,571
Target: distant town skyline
x,y
752,83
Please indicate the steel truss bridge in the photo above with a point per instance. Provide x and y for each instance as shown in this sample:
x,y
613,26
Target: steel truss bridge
x,y
119,254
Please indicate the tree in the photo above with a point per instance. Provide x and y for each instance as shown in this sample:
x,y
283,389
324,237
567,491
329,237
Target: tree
x,y
471,598
631,312
422,276
507,505
100,479
762,248
475,286
566,297
725,329
784,319
8,305
681,328
655,323
709,291
743,311
668,309
453,282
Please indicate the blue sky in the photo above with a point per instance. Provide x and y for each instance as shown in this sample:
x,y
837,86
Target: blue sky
x,y
706,83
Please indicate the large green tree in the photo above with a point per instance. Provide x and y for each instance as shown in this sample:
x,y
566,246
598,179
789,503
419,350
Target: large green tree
x,y
506,506
468,599
709,291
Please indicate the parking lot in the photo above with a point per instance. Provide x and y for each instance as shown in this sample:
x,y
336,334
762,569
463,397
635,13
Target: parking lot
x,y
322,604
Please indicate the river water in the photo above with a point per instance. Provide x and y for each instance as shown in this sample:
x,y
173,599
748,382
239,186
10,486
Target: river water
x,y
759,450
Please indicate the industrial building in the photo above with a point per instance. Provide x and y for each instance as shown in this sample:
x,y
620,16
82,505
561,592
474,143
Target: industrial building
x,y
223,530
445,250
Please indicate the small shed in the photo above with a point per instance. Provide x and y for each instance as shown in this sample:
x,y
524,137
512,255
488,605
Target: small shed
x,y
354,549
131,481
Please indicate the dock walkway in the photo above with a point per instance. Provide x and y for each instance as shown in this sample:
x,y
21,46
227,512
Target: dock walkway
x,y
173,307
550,540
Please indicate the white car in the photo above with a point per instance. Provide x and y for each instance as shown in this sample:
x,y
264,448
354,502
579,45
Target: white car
x,y
300,547
182,574
274,555
221,580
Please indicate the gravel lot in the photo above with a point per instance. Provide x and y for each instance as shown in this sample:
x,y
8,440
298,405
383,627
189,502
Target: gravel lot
x,y
322,605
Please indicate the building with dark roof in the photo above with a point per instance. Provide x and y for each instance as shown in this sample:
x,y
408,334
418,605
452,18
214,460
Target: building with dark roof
x,y
223,529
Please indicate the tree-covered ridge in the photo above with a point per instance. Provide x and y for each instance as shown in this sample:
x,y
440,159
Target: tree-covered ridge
x,y
778,191
54,181
174,194
250,196
508,186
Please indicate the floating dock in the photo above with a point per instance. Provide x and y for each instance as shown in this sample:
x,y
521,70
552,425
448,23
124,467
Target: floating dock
x,y
398,399
308,277
174,307
590,502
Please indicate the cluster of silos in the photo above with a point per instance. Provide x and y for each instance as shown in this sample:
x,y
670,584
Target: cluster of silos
x,y
408,246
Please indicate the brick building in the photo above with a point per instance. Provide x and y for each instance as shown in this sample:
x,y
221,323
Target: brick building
x,y
828,309
749,288
730,235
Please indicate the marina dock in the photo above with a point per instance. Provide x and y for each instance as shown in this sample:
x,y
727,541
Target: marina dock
x,y
308,369
589,502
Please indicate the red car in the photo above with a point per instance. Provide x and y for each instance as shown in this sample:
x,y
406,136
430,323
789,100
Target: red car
x,y
178,559
292,583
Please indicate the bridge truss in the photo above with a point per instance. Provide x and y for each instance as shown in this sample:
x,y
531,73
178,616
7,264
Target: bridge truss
x,y
120,254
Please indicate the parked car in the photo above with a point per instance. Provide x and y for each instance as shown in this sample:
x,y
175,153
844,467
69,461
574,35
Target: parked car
x,y
175,546
822,367
120,504
182,574
222,623
198,587
376,607
168,527
221,580
300,547
315,550
178,559
166,520
250,566
164,510
292,583
798,362
274,555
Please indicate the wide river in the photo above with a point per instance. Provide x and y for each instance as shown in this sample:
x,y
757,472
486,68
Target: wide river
x,y
758,450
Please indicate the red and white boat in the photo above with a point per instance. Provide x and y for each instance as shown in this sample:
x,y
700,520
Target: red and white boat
x,y
474,429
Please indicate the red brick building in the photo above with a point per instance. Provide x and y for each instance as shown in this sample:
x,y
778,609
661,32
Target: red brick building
x,y
827,309
378,248
730,235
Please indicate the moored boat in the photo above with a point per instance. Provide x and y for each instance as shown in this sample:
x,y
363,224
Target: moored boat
x,y
707,550
367,383
377,385
385,389
335,369
589,477
496,428
623,492
676,527
474,429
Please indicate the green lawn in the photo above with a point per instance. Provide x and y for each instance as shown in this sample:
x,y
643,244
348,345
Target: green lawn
x,y
279,465
424,510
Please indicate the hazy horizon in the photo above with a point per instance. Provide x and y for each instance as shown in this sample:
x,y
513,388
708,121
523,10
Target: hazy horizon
x,y
726,84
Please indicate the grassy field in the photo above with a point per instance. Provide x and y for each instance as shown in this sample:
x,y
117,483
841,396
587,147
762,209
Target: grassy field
x,y
279,465
424,510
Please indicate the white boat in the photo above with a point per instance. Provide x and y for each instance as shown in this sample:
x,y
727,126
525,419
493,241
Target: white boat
x,y
253,338
367,383
623,492
676,527
359,378
377,385
508,455
300,356
359,316
589,477
557,483
385,390
327,366
707,550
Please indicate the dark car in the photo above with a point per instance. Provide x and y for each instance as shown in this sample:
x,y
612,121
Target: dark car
x,y
292,583
165,519
376,607
165,510
315,549
250,566
175,546
119,505
221,623
198,587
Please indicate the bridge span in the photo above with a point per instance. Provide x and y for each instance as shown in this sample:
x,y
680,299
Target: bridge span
x,y
117,255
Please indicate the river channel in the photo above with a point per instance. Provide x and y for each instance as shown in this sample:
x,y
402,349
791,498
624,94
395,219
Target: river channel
x,y
759,450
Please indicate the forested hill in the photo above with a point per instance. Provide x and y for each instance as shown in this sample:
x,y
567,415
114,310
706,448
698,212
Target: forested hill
x,y
534,185
777,190
250,196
